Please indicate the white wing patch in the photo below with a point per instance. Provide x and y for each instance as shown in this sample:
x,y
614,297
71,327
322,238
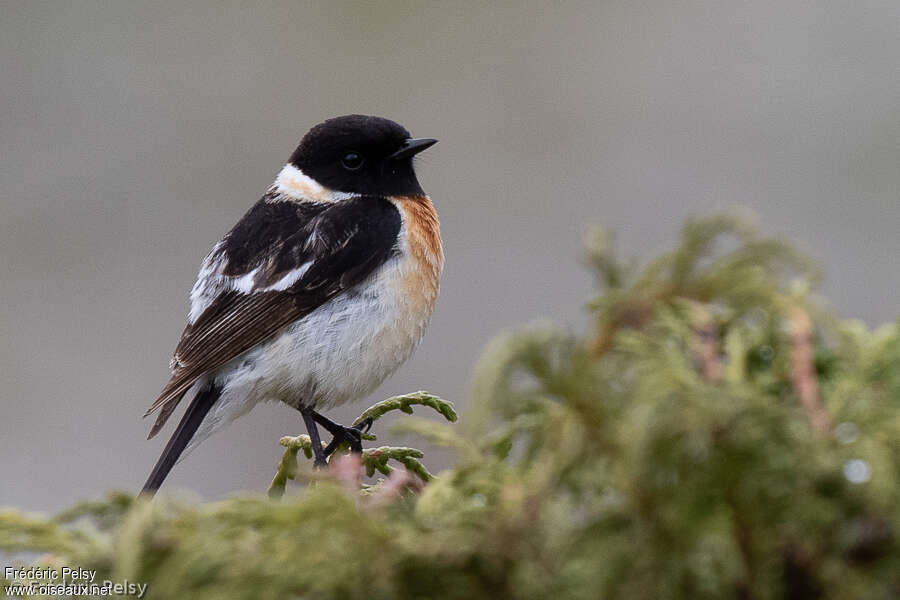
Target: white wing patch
x,y
288,280
245,283
211,282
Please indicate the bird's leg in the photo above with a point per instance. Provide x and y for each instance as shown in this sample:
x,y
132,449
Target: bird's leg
x,y
351,435
316,441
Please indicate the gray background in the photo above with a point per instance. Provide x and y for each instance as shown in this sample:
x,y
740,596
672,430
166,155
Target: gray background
x,y
133,135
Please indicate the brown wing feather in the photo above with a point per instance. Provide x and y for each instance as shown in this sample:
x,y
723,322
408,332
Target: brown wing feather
x,y
234,324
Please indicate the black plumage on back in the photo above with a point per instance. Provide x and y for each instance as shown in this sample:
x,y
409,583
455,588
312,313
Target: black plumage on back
x,y
264,229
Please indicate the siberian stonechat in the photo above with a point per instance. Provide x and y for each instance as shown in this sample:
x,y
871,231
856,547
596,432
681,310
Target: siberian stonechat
x,y
318,293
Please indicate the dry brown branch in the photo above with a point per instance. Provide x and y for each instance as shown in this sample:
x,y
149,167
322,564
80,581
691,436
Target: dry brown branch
x,y
803,372
705,344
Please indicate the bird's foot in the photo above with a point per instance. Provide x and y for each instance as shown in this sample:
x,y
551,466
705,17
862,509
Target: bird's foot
x,y
352,436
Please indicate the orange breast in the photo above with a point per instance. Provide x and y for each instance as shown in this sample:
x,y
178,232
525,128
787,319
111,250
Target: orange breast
x,y
421,275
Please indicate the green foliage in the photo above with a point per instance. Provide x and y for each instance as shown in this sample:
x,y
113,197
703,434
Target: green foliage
x,y
717,434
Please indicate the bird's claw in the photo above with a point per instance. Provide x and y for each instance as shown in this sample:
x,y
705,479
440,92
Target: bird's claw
x,y
365,425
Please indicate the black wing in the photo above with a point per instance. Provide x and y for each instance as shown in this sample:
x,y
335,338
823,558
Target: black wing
x,y
337,249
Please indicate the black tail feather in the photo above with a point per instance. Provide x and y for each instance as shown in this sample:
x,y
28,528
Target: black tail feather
x,y
191,420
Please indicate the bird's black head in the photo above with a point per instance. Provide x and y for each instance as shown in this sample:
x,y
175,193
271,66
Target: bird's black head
x,y
362,155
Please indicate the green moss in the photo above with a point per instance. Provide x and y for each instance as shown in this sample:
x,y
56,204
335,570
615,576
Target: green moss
x,y
671,451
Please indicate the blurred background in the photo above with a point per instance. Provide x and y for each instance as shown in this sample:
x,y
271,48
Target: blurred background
x,y
133,135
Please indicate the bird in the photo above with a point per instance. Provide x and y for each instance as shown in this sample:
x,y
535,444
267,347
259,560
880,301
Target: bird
x,y
317,294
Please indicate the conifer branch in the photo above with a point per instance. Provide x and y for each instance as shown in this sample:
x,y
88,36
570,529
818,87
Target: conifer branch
x,y
404,404
375,459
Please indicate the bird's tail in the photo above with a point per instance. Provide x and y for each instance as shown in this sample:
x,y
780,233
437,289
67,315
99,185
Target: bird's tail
x,y
191,420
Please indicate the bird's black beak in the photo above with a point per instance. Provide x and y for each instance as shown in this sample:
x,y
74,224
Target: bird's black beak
x,y
413,147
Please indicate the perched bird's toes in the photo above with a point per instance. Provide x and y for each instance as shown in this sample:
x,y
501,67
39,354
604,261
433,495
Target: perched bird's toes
x,y
365,425
353,437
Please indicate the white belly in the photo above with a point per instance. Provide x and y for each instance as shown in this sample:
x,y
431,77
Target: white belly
x,y
340,352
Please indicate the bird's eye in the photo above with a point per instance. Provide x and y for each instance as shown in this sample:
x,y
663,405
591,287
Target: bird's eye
x,y
352,161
